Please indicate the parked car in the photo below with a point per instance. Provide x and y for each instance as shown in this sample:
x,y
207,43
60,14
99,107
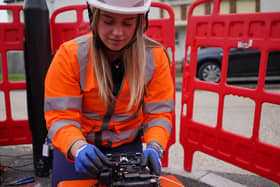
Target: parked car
x,y
243,64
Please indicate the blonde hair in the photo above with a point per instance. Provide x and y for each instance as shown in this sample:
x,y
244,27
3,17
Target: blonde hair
x,y
134,64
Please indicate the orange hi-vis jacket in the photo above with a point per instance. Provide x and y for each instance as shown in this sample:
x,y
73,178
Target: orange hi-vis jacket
x,y
74,110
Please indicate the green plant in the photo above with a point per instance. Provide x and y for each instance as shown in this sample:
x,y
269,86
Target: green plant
x,y
16,77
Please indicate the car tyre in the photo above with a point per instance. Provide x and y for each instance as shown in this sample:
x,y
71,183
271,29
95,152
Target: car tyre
x,y
210,71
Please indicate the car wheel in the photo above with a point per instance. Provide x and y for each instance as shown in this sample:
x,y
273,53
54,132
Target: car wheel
x,y
209,71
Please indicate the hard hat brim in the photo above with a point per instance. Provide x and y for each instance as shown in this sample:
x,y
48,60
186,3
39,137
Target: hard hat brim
x,y
120,10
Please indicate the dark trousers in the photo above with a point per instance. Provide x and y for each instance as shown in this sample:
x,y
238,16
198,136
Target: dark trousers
x,y
64,170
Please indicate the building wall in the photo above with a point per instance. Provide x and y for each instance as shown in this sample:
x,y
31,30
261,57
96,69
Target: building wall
x,y
246,6
55,4
177,12
199,10
270,5
180,44
225,7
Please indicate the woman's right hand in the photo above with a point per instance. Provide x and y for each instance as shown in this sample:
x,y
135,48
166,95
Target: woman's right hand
x,y
89,161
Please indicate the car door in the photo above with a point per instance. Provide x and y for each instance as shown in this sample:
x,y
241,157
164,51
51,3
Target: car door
x,y
243,62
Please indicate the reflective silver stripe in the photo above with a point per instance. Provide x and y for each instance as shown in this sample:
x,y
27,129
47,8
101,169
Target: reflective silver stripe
x,y
92,115
113,136
124,117
150,65
115,117
83,55
56,126
63,103
158,122
157,107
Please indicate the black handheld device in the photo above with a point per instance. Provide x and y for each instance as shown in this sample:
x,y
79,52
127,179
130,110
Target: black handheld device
x,y
127,171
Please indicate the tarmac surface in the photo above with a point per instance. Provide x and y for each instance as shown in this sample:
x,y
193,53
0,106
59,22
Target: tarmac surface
x,y
19,164
207,171
18,160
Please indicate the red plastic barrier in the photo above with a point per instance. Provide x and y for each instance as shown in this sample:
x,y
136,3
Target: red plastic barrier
x,y
228,31
13,131
63,31
161,30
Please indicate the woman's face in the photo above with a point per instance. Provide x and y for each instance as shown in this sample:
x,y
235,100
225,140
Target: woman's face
x,y
116,30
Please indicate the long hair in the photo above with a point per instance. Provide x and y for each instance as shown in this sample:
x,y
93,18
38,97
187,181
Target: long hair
x,y
134,64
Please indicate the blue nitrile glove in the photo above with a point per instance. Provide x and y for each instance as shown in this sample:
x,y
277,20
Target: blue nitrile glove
x,y
90,160
151,158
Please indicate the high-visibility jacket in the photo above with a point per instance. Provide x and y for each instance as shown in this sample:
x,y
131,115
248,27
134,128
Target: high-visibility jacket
x,y
74,110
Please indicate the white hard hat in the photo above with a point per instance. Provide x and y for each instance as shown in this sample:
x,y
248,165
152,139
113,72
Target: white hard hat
x,y
122,6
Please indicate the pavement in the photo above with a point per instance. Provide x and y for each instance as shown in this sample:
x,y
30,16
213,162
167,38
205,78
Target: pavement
x,y
206,171
19,164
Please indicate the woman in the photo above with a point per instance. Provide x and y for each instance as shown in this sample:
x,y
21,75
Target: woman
x,y
107,89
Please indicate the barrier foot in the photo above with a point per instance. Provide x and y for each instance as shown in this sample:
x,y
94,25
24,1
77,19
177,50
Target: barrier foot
x,y
42,166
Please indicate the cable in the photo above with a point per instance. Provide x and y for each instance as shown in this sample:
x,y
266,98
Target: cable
x,y
25,157
21,170
165,178
22,156
17,155
19,166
